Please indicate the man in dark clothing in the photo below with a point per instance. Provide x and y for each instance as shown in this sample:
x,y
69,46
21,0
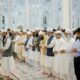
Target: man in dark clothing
x,y
76,51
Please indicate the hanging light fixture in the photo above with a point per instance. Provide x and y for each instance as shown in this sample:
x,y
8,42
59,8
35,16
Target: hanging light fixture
x,y
37,5
0,3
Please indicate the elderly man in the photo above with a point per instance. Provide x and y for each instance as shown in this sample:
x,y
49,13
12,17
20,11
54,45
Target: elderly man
x,y
76,51
68,62
58,44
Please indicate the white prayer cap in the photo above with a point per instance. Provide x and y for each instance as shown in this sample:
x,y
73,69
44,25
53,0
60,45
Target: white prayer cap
x,y
58,32
73,29
68,31
29,33
37,29
17,30
41,33
50,30
3,30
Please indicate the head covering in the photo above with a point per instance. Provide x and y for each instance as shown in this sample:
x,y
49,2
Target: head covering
x,y
58,32
41,33
73,29
68,31
78,30
37,29
17,30
54,30
49,30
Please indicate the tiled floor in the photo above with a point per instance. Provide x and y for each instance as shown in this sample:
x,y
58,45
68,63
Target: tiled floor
x,y
29,73
26,72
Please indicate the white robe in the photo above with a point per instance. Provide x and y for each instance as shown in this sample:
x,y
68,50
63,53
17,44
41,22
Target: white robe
x,y
57,63
68,61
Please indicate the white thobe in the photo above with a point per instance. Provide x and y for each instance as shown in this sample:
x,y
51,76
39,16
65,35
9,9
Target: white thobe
x,y
58,58
68,60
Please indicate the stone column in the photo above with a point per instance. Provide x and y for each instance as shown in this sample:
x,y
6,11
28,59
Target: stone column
x,y
53,14
10,13
66,14
27,15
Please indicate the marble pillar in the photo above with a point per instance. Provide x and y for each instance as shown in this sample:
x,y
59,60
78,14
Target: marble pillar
x,y
27,15
10,13
66,14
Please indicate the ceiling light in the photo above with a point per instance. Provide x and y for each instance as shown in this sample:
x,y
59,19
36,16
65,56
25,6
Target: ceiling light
x,y
37,5
0,3
33,5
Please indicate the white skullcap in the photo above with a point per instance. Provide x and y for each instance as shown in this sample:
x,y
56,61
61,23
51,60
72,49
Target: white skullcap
x,y
3,30
50,30
37,29
29,33
17,30
41,33
68,31
73,29
58,32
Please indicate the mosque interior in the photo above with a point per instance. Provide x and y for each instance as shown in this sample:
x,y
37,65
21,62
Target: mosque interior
x,y
30,14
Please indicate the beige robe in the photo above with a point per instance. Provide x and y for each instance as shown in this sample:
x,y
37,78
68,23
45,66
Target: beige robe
x,y
21,49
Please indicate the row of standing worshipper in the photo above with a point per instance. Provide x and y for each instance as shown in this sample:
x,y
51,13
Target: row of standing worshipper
x,y
50,51
54,54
